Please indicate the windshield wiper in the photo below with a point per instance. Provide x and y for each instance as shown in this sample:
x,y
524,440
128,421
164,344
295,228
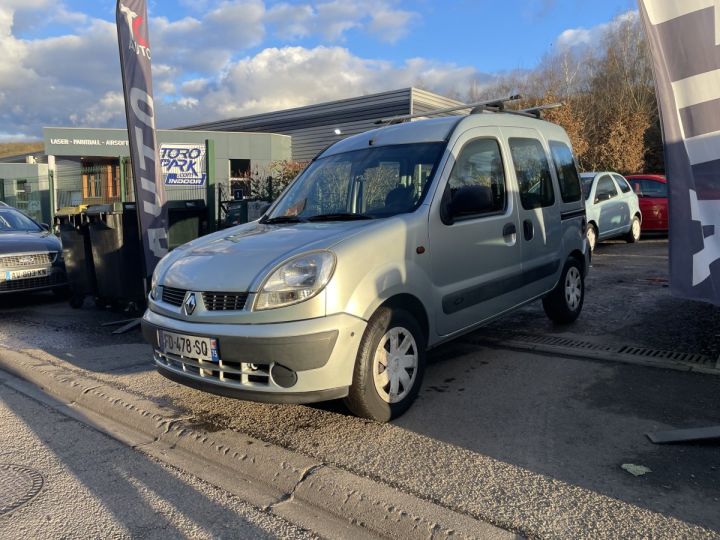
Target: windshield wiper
x,y
283,219
339,216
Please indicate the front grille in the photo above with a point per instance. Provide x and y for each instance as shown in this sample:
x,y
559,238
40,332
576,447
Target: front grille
x,y
222,301
235,374
214,301
173,296
31,283
25,260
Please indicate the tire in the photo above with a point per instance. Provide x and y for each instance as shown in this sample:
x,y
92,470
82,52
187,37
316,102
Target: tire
x,y
564,303
371,394
591,234
635,231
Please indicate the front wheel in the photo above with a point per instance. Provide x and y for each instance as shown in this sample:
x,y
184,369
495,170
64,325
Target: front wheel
x,y
634,234
389,367
564,303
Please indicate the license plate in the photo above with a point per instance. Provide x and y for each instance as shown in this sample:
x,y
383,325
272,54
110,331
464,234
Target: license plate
x,y
200,348
25,274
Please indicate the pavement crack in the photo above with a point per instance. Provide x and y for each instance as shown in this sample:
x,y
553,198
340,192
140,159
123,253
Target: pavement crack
x,y
170,423
291,494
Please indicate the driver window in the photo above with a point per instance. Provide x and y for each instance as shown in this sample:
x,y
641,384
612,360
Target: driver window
x,y
478,174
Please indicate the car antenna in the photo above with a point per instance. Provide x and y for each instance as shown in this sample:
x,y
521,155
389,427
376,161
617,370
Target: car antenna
x,y
476,107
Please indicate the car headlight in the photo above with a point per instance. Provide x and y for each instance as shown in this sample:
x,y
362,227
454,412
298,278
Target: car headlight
x,y
297,280
154,290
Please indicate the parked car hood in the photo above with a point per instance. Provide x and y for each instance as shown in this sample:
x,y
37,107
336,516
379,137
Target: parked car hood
x,y
25,242
239,258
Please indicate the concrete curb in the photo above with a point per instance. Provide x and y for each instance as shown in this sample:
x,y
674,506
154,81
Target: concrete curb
x,y
323,498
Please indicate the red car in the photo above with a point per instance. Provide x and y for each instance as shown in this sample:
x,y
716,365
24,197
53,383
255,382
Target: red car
x,y
652,193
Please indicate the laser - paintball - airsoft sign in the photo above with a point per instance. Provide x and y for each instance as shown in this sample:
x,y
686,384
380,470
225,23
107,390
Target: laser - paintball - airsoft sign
x,y
183,164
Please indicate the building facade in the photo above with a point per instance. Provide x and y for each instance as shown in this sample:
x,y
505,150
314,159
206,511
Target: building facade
x,y
314,127
90,166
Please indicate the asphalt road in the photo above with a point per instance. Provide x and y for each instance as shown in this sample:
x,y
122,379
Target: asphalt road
x,y
628,301
528,442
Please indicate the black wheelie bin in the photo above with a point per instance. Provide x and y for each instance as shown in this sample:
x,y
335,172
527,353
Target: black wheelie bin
x,y
71,223
117,255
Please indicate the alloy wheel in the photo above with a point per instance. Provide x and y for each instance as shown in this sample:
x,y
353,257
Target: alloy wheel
x,y
573,288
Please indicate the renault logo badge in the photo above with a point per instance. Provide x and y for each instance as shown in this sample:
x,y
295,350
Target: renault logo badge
x,y
189,304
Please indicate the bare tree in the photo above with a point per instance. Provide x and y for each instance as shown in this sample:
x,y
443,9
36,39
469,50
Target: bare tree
x,y
610,110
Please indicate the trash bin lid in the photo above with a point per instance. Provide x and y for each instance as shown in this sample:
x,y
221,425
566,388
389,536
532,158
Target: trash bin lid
x,y
95,209
71,210
191,204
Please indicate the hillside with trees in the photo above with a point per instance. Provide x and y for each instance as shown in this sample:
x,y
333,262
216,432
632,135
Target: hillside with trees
x,y
16,148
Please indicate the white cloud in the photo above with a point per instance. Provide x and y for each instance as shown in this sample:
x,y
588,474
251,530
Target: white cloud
x,y
587,37
291,21
281,78
390,25
198,71
333,19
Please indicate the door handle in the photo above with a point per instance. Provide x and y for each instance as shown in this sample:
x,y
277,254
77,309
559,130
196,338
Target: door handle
x,y
528,230
509,229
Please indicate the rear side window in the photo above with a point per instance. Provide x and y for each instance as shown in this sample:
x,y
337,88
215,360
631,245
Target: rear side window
x,y
622,183
605,189
532,172
566,171
479,171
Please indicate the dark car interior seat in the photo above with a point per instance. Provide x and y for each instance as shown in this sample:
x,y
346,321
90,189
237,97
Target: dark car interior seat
x,y
400,199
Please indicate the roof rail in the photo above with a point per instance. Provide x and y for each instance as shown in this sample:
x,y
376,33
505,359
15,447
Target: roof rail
x,y
537,111
479,106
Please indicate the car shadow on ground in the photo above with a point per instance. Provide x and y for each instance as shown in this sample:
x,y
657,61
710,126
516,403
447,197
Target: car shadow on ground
x,y
578,421
137,493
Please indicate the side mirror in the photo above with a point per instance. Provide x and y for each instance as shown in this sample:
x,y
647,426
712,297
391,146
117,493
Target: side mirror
x,y
45,226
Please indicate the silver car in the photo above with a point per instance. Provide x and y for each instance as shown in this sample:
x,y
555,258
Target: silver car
x,y
389,243
613,209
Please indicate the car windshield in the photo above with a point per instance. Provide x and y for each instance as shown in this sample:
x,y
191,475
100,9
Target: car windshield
x,y
363,184
586,184
14,221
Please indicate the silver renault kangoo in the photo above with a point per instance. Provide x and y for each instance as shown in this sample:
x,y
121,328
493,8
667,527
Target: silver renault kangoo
x,y
389,243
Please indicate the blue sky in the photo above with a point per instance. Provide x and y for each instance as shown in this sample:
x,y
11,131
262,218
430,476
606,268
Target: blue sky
x,y
215,59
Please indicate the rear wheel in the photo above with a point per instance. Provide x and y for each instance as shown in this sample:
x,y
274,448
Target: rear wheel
x,y
635,231
564,303
389,367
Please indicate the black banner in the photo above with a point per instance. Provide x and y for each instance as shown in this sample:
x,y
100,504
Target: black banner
x,y
684,37
134,44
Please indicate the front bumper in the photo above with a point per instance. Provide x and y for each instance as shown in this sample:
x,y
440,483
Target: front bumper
x,y
293,362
